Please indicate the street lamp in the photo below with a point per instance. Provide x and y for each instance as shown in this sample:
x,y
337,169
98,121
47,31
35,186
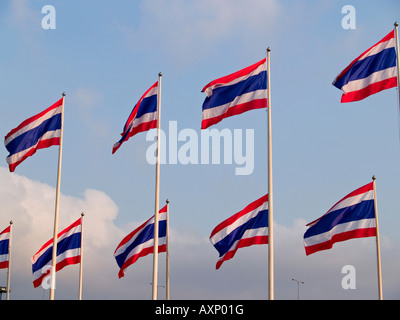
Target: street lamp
x,y
298,287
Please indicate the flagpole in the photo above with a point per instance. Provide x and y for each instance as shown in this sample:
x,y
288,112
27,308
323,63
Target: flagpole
x,y
156,217
167,255
396,32
55,232
80,263
270,193
9,264
378,250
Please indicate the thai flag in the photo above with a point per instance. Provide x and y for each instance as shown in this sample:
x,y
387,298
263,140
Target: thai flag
x,y
4,247
246,228
140,242
373,71
142,118
38,132
352,217
236,93
68,252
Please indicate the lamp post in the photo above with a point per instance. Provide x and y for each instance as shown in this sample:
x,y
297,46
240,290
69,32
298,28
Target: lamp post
x,y
298,287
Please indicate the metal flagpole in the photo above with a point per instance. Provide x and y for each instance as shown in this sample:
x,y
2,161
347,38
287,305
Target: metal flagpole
x,y
378,250
396,32
167,255
80,263
270,193
55,232
156,218
9,264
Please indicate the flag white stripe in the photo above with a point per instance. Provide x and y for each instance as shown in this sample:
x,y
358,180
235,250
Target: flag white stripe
x,y
243,219
3,257
122,248
47,135
144,245
152,92
351,201
255,72
147,117
77,229
378,48
67,254
4,236
248,234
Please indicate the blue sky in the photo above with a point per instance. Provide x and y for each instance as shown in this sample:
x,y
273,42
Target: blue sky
x,y
106,55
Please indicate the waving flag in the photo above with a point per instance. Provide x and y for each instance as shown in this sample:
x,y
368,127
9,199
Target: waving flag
x,y
4,247
142,118
373,71
236,93
38,132
351,217
246,228
140,242
68,252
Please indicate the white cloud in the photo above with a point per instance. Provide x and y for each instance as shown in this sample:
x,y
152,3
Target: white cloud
x,y
31,204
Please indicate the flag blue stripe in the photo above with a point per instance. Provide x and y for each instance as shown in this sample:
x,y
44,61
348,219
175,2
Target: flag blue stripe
x,y
71,242
364,68
359,211
4,246
259,221
31,137
146,234
225,94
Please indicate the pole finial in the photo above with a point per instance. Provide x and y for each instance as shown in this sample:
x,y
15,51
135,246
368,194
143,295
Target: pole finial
x,y
373,177
268,49
160,74
167,201
11,222
63,94
396,24
82,214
